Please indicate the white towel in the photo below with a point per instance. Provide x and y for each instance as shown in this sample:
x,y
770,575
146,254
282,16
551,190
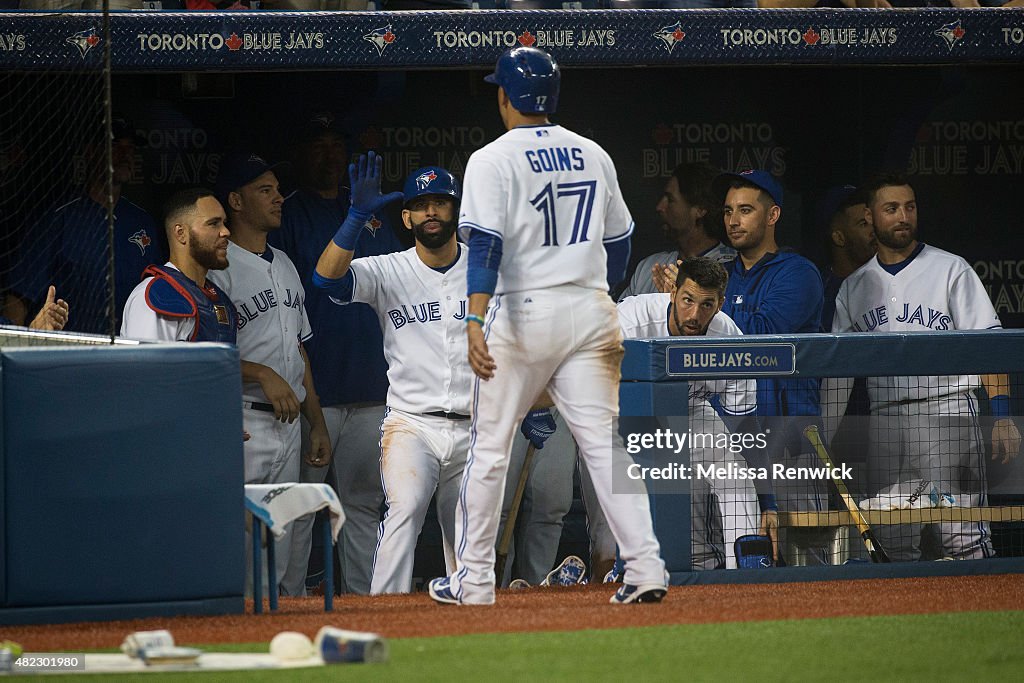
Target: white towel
x,y
915,494
278,504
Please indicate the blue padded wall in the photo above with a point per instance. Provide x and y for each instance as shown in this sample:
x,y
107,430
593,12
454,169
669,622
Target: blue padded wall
x,y
122,475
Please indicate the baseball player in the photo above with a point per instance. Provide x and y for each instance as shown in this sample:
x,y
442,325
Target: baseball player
x,y
265,288
776,291
689,212
924,427
75,257
176,302
345,353
419,297
546,499
849,241
548,230
726,506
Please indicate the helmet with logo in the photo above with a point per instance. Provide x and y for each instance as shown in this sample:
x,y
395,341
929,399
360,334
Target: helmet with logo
x,y
431,180
530,77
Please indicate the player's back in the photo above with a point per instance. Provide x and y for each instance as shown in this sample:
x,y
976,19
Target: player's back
x,y
553,198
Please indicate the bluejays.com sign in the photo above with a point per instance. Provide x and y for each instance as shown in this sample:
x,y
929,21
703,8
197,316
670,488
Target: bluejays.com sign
x,y
731,359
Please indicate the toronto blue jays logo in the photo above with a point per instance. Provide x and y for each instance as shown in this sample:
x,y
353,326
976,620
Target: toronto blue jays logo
x,y
372,224
952,33
423,180
381,38
671,35
84,40
141,239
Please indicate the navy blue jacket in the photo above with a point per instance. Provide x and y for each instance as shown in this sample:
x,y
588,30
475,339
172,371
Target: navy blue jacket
x,y
781,294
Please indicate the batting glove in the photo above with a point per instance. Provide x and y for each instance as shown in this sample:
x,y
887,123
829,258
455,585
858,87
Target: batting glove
x,y
538,426
365,178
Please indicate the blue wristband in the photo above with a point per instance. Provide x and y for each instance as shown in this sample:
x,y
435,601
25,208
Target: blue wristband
x,y
1000,405
348,233
474,318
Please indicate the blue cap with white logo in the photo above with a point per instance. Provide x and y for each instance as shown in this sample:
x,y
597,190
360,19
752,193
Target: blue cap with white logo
x,y
762,179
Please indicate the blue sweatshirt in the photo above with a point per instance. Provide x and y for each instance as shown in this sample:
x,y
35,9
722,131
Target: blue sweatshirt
x,y
781,294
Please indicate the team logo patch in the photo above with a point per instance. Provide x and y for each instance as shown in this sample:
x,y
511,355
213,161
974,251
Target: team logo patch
x,y
221,312
84,40
671,35
141,239
952,33
381,38
372,224
423,180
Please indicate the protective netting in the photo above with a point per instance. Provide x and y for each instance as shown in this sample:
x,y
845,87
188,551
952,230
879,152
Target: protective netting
x,y
52,187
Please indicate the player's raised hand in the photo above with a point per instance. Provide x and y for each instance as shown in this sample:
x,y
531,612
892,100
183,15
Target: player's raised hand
x,y
1005,440
53,315
364,175
280,394
479,357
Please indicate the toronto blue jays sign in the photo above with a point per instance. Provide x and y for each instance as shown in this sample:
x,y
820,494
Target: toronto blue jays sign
x,y
382,40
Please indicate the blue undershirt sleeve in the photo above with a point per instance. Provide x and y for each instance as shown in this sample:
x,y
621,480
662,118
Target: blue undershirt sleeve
x,y
341,288
618,260
484,260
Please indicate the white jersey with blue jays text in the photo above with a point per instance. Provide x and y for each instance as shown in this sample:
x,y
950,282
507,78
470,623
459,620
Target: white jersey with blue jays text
x,y
719,519
271,316
646,316
936,291
539,187
422,314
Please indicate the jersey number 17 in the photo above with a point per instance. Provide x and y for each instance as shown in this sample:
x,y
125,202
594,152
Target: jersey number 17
x,y
577,198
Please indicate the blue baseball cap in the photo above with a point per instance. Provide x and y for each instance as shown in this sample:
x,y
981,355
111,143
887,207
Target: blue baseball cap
x,y
122,128
320,123
762,179
835,199
238,170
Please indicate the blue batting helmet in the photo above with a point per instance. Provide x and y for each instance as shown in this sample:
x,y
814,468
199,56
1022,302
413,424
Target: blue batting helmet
x,y
530,77
431,180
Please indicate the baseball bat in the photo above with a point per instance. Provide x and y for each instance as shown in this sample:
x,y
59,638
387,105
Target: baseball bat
x,y
875,551
513,513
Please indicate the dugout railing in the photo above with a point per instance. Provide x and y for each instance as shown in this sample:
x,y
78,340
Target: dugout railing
x,y
655,376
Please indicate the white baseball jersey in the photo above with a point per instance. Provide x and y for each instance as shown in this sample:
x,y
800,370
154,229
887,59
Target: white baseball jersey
x,y
646,316
643,283
140,321
271,316
936,291
422,315
538,187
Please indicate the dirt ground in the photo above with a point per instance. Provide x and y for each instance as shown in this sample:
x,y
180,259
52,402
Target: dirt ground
x,y
553,609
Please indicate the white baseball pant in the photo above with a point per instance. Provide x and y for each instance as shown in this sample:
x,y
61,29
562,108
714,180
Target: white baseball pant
x,y
565,339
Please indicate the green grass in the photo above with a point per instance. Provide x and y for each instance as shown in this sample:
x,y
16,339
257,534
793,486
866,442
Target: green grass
x,y
941,647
